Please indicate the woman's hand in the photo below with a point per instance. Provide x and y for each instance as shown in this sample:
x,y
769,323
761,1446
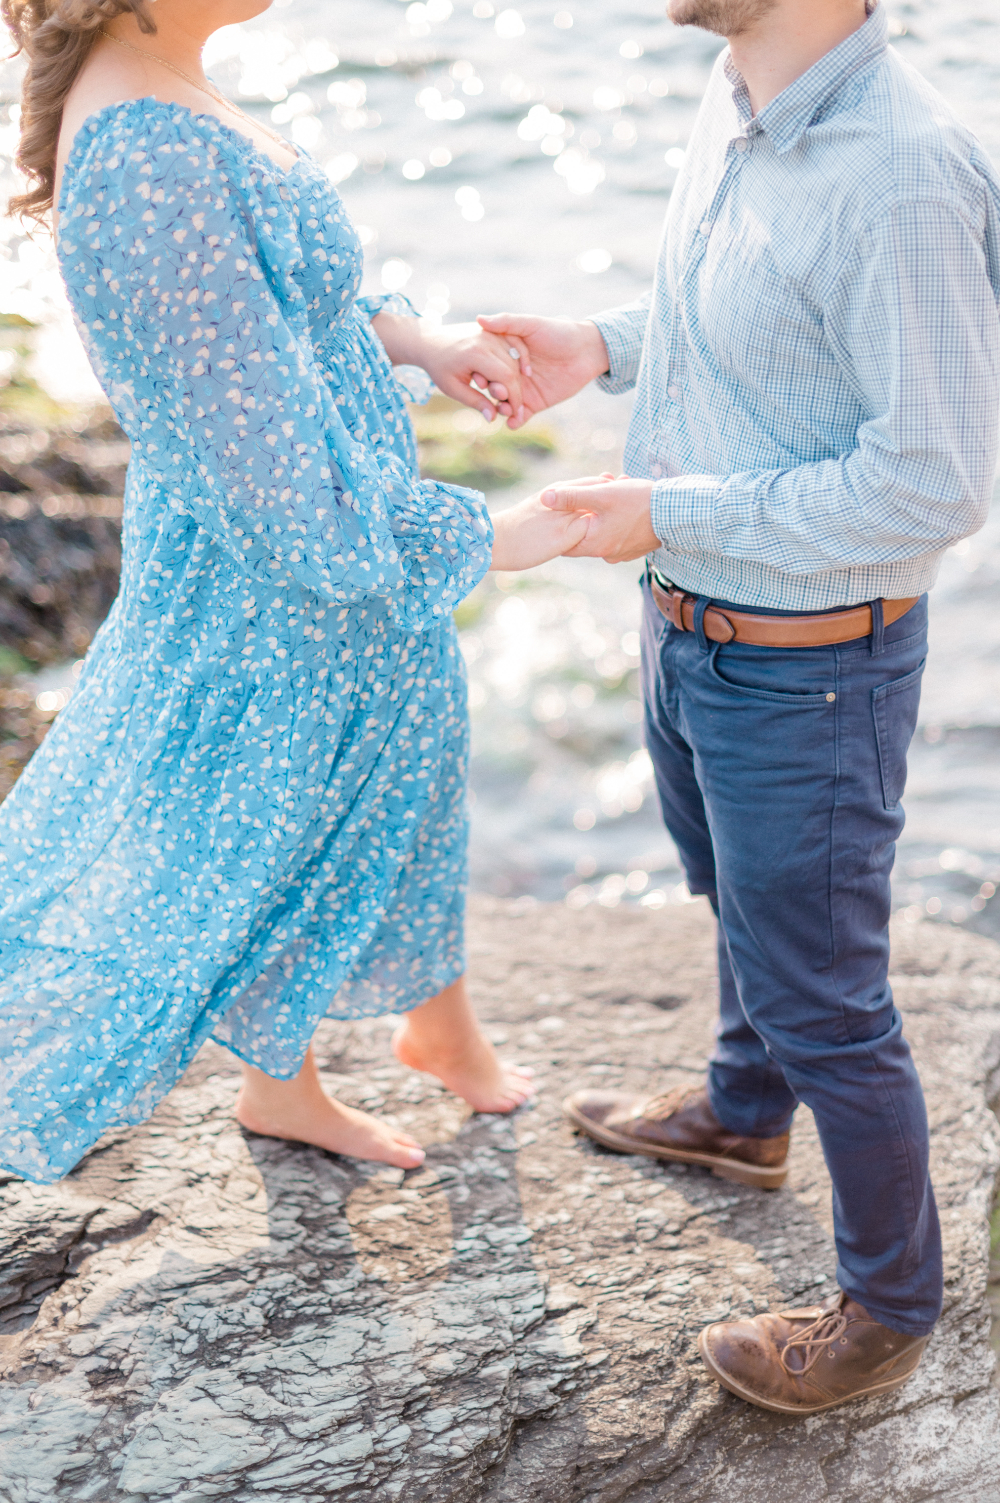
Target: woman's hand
x,y
620,527
471,365
530,533
563,354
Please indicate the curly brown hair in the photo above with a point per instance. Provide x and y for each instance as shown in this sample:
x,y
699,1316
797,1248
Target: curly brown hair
x,y
56,36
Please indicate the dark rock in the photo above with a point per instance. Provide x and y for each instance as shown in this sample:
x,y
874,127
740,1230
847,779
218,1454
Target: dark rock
x,y
12,484
60,535
90,461
58,578
60,556
197,1313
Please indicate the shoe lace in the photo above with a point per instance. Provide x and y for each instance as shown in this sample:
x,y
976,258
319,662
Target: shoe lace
x,y
657,1108
827,1328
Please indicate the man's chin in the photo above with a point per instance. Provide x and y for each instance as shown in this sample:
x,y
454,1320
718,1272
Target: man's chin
x,y
703,13
727,18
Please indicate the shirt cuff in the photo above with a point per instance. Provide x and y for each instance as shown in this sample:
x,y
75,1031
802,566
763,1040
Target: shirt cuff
x,y
623,331
683,512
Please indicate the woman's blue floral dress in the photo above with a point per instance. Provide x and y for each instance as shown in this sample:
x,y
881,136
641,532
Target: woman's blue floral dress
x,y
252,812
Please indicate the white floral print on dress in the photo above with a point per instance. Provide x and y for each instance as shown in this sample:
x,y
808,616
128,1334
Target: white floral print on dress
x,y
252,813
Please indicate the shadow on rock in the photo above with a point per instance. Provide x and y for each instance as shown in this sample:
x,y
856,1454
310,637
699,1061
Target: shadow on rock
x,y
208,1314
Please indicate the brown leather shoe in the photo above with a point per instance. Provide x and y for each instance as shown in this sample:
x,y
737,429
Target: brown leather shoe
x,y
803,1361
681,1127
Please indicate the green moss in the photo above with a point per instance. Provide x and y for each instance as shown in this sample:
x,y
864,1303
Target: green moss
x,y
457,446
11,662
469,612
21,397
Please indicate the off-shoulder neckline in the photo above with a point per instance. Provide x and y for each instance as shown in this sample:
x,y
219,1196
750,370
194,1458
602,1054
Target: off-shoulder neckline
x,y
83,137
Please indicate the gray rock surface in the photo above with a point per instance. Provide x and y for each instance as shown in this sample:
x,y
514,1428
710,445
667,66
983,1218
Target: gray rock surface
x,y
198,1314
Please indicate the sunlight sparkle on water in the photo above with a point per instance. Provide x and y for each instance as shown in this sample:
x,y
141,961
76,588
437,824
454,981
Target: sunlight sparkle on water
x,y
509,25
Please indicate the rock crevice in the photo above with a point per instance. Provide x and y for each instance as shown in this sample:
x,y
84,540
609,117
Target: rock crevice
x,y
200,1314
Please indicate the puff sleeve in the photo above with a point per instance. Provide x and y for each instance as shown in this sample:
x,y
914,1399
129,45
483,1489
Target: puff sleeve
x,y
180,300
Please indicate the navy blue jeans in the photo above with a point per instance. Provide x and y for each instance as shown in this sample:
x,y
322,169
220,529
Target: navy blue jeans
x,y
780,773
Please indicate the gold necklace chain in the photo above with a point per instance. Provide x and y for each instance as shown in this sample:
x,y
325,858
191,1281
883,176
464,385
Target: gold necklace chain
x,y
203,88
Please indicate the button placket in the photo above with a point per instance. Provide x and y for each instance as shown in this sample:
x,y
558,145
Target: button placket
x,y
698,246
700,240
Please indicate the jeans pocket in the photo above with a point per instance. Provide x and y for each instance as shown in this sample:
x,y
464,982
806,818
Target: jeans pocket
x,y
894,707
764,673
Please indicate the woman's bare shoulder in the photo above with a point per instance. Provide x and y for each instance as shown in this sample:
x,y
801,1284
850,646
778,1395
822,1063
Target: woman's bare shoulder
x,y
104,81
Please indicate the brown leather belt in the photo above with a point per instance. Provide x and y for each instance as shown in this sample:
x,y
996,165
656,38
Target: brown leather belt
x,y
774,631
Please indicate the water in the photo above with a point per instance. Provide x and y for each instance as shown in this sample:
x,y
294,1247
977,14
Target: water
x,y
564,798
522,157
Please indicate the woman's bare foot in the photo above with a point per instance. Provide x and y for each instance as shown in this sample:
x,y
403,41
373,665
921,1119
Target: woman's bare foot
x,y
300,1110
443,1038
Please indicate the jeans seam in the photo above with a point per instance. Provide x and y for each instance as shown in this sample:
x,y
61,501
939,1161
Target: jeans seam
x,y
832,856
900,1139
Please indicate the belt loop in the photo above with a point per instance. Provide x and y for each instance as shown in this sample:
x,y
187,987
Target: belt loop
x,y
878,628
700,607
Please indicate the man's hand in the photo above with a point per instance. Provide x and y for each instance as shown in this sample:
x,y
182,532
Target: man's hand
x,y
563,355
530,534
477,368
620,528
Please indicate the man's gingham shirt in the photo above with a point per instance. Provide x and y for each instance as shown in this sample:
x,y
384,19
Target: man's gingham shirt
x,y
818,367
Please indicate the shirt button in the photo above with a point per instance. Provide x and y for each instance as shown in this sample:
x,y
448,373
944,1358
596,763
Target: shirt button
x,y
657,471
706,228
673,392
830,698
740,144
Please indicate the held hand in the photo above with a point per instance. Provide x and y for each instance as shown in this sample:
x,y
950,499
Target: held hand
x,y
562,356
530,534
474,367
620,528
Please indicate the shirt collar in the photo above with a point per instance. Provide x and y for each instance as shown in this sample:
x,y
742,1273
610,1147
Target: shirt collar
x,y
788,114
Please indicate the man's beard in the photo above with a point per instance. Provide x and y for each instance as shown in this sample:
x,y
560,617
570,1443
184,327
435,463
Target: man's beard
x,y
727,18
